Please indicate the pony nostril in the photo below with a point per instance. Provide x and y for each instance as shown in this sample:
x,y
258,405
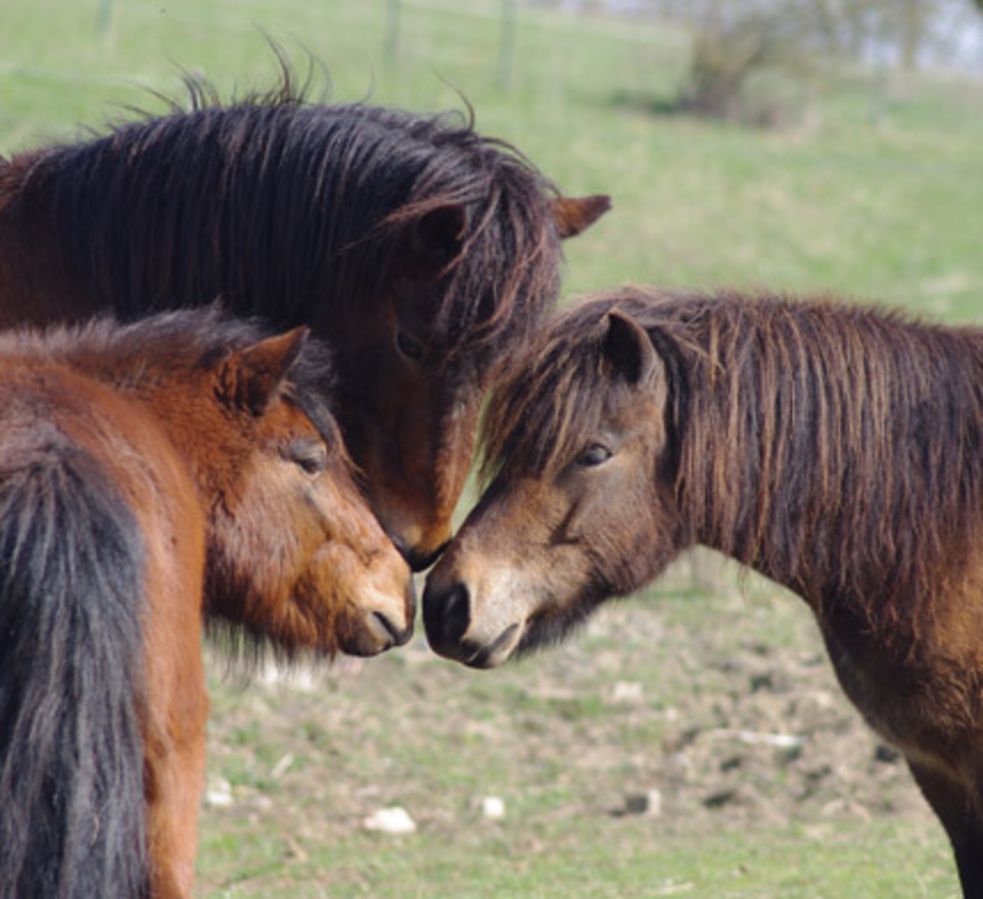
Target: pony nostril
x,y
456,613
399,635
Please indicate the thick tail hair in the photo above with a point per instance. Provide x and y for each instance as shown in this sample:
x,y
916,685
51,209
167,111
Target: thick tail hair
x,y
71,755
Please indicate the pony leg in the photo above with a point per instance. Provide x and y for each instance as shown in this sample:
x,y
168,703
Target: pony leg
x,y
958,808
174,767
175,779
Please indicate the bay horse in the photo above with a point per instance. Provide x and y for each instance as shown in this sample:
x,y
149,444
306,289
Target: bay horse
x,y
422,251
837,450
151,474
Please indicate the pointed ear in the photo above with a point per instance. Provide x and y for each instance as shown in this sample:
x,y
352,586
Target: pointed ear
x,y
437,236
251,377
575,214
629,349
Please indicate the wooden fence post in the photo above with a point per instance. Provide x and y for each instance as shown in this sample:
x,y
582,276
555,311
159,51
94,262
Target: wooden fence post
x,y
104,16
506,47
391,47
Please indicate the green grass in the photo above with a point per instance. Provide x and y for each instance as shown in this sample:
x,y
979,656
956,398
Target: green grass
x,y
599,862
547,736
877,193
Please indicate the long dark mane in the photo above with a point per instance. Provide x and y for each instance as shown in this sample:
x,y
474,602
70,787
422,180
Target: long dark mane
x,y
293,211
838,449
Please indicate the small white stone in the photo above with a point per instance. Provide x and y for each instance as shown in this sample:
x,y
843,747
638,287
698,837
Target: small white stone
x,y
626,692
392,820
219,793
493,807
648,803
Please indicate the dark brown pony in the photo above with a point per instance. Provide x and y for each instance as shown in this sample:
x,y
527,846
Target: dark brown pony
x,y
422,251
837,450
151,473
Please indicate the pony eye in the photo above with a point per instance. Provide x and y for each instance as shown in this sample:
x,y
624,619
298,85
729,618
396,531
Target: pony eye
x,y
310,455
409,346
596,454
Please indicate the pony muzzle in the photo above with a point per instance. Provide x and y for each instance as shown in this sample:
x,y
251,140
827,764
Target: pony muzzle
x,y
451,631
420,558
387,620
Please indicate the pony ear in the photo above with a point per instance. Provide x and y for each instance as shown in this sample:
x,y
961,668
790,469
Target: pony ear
x,y
251,377
629,349
437,236
575,214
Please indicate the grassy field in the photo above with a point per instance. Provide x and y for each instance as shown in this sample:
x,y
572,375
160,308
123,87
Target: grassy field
x,y
657,694
876,192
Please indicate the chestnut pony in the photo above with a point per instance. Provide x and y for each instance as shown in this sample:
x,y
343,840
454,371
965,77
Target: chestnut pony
x,y
151,473
837,450
423,252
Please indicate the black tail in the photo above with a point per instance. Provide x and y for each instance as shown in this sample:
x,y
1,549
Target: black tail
x,y
71,756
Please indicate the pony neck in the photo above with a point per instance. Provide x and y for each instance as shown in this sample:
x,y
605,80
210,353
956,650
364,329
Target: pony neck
x,y
834,450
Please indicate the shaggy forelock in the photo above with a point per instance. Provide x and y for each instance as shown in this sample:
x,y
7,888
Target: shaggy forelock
x,y
551,399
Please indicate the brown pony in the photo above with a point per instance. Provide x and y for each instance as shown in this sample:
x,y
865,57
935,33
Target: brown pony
x,y
422,251
150,473
837,450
